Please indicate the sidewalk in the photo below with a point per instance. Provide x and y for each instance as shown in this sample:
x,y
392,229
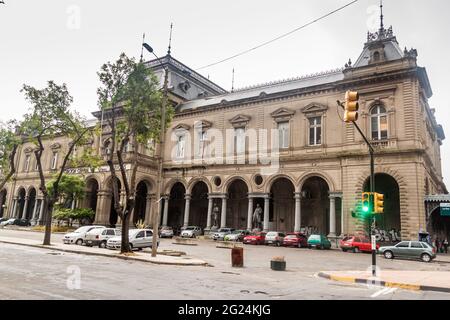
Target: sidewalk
x,y
137,256
409,280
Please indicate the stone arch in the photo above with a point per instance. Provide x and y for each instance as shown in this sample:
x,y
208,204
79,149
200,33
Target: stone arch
x,y
169,185
315,204
19,189
199,203
194,181
237,203
226,185
402,190
282,204
269,183
20,205
91,194
32,195
176,205
323,175
148,182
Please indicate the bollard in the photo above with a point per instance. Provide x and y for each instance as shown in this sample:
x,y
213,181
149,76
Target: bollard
x,y
237,257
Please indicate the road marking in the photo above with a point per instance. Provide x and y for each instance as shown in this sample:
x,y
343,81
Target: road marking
x,y
384,291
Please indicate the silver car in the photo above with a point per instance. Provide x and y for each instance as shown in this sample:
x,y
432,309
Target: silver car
x,y
221,233
191,232
99,237
409,250
138,238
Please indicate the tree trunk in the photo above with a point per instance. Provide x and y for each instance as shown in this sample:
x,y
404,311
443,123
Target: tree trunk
x,y
125,246
48,221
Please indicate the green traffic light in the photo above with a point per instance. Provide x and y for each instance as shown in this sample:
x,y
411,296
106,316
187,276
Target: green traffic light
x,y
366,209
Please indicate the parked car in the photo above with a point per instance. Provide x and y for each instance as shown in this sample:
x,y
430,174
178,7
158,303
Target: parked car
x,y
221,233
99,237
7,222
255,238
319,241
275,238
237,235
356,244
166,232
3,219
409,250
191,232
296,239
16,222
138,238
78,236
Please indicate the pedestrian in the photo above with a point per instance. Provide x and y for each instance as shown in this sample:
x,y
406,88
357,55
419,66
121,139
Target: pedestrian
x,y
445,244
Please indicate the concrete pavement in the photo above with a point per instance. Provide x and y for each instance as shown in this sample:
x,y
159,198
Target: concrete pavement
x,y
437,281
137,256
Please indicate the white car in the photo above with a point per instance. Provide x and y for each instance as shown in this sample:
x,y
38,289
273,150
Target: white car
x,y
7,222
275,238
221,233
78,236
191,232
138,238
99,237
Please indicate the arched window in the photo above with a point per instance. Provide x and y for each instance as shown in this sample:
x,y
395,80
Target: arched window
x,y
379,123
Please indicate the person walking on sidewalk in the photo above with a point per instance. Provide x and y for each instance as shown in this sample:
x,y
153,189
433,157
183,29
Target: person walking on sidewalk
x,y
445,244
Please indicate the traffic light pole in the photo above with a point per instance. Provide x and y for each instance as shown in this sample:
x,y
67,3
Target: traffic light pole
x,y
372,191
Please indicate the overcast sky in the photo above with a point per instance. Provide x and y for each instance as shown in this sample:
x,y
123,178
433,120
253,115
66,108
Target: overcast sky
x,y
68,41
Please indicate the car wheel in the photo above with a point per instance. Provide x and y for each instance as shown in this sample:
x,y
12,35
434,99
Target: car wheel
x,y
425,257
131,246
278,244
79,242
388,255
102,244
345,250
356,250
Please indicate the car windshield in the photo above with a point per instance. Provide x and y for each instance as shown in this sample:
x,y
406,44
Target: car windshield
x,y
291,236
190,228
133,232
82,229
347,239
314,237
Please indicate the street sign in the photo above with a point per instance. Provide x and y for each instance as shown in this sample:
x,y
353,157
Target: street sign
x,y
374,243
445,209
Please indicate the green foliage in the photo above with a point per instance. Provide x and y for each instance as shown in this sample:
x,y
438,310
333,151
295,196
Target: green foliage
x,y
74,214
132,89
8,139
70,187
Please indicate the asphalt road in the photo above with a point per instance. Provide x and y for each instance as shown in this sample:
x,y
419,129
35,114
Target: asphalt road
x,y
31,273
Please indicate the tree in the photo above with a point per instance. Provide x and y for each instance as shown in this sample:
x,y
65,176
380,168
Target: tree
x,y
71,188
9,143
50,117
131,103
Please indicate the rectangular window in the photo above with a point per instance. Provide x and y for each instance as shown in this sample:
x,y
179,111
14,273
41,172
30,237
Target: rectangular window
x,y
374,126
239,134
54,160
181,145
379,128
283,134
383,128
27,163
315,131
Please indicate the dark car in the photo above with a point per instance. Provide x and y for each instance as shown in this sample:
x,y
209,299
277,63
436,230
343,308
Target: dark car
x,y
296,239
21,223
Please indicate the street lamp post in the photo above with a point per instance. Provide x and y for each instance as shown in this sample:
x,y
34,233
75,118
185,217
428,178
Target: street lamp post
x,y
160,154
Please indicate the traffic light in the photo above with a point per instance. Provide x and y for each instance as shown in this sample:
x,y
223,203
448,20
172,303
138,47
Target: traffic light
x,y
367,202
378,203
351,106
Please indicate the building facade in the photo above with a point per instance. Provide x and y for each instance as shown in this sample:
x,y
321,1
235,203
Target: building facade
x,y
281,146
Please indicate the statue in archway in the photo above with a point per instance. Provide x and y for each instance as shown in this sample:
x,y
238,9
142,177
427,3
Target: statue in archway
x,y
257,214
215,216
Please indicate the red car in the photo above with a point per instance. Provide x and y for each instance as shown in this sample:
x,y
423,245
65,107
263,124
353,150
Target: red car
x,y
356,244
296,239
255,238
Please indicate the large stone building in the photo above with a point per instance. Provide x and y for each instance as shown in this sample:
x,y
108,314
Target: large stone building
x,y
281,146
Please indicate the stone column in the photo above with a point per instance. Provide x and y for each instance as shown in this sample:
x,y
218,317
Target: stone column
x,y
223,213
101,217
41,212
332,216
34,218
250,214
148,210
25,208
266,213
210,207
342,217
14,208
298,212
187,207
166,211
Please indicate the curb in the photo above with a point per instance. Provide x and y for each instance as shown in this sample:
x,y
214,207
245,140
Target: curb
x,y
405,286
39,246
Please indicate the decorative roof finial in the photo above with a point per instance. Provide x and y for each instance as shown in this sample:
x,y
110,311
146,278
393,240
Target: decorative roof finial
x,y
381,16
170,40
